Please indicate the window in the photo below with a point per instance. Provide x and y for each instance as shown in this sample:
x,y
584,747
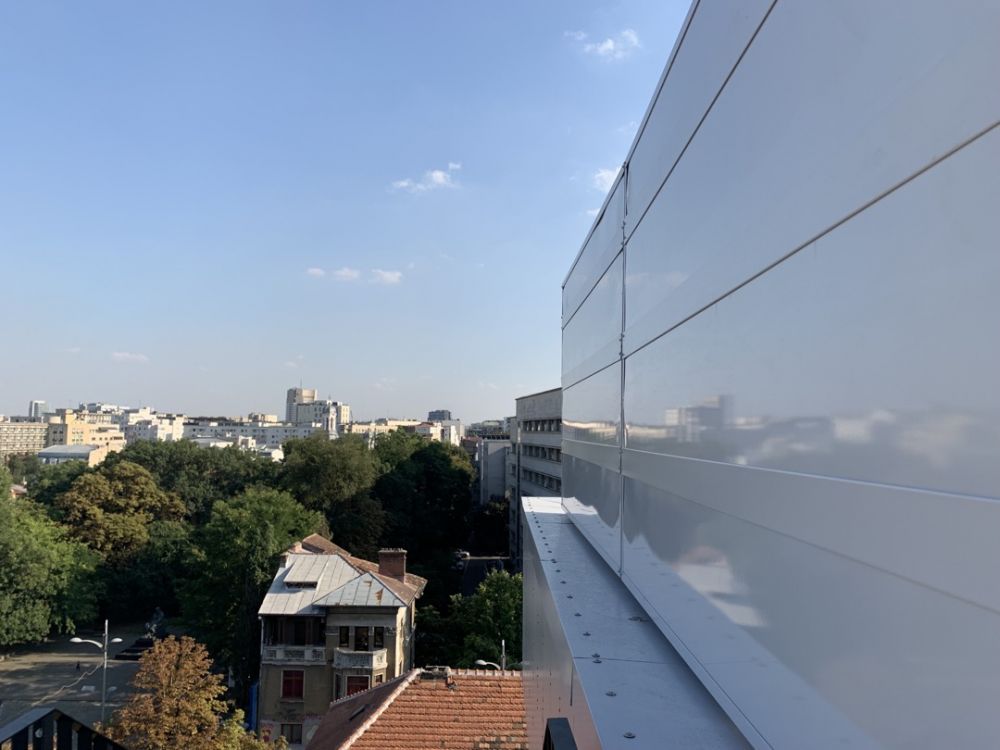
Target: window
x,y
292,733
379,678
379,639
291,684
345,636
360,639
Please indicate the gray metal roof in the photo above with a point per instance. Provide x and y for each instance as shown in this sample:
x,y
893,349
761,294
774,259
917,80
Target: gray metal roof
x,y
363,591
67,450
307,583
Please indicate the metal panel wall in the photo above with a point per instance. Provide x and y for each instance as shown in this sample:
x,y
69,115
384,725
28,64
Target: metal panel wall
x,y
800,481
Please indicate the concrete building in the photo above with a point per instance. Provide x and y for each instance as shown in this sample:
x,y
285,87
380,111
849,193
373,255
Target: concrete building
x,y
490,462
166,428
38,409
60,454
372,429
266,434
331,416
333,625
534,460
806,223
452,431
439,415
19,436
70,428
296,396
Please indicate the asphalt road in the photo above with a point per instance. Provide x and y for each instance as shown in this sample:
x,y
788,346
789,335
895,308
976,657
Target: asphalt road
x,y
65,674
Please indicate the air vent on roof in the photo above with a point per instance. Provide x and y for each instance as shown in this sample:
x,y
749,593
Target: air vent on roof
x,y
301,584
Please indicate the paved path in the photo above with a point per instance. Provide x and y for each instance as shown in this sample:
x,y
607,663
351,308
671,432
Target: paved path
x,y
47,673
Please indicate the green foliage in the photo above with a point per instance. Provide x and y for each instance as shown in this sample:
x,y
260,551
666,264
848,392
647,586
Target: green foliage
x,y
198,476
490,615
111,510
235,557
24,467
5,482
426,498
46,579
335,477
154,576
489,528
392,448
52,480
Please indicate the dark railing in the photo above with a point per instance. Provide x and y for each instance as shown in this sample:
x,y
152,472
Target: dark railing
x,y
47,727
558,735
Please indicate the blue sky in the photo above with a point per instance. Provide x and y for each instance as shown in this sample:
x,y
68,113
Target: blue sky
x,y
202,204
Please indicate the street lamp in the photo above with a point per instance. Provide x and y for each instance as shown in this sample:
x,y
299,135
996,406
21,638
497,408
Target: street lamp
x,y
104,675
503,659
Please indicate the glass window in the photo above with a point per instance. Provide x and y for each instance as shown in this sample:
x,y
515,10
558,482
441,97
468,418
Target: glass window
x,y
379,639
360,639
291,684
292,733
345,636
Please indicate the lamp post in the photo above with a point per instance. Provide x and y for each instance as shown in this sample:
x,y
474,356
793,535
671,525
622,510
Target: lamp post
x,y
104,674
503,659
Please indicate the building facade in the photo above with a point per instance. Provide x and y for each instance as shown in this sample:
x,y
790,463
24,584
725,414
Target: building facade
x,y
296,396
534,460
266,434
19,436
780,441
439,415
333,625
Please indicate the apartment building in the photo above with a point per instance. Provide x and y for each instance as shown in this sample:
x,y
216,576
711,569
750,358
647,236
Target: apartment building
x,y
333,625
373,428
19,435
779,450
534,459
70,428
268,434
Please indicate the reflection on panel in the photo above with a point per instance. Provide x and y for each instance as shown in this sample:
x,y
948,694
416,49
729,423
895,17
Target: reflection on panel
x,y
591,496
592,408
863,656
870,356
604,244
716,36
817,120
591,338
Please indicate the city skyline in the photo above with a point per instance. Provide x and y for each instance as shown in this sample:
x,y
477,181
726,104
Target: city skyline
x,y
206,206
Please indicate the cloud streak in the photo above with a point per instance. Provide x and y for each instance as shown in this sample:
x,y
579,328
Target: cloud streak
x,y
433,179
603,179
315,272
129,357
616,47
347,274
387,278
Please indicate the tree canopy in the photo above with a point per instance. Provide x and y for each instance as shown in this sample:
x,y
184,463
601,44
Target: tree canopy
x,y
178,703
47,580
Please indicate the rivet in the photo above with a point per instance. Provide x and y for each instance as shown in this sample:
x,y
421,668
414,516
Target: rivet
x,y
577,614
562,581
629,736
596,656
569,596
611,693
586,633
597,661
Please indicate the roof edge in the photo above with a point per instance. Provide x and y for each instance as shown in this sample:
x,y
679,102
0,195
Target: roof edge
x,y
367,723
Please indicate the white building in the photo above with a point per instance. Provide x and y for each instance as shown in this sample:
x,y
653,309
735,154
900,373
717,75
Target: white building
x,y
264,433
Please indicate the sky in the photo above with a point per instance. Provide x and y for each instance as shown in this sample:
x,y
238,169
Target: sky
x,y
204,204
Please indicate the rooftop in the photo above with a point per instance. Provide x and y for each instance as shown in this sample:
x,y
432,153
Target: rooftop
x,y
436,707
316,573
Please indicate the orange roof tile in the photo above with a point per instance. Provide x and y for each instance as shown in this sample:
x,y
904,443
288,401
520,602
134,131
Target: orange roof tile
x,y
457,710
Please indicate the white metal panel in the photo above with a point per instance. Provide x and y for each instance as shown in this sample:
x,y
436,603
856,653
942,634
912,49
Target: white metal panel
x,y
592,408
592,338
833,104
603,244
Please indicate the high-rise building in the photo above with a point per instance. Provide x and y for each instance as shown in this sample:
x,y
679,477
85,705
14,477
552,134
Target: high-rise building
x,y
38,409
806,224
297,396
439,415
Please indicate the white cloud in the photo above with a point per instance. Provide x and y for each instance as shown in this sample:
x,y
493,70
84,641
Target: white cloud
x,y
316,272
132,357
386,277
593,211
616,47
603,179
347,274
433,179
628,128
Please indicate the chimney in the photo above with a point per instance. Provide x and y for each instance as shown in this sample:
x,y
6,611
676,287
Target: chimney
x,y
392,563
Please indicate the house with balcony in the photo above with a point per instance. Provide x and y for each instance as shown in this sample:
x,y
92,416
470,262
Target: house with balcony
x,y
332,625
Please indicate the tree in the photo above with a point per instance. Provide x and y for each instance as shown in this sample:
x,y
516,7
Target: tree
x,y
5,482
154,576
199,477
52,480
24,467
392,448
490,615
178,703
46,579
111,510
235,557
335,477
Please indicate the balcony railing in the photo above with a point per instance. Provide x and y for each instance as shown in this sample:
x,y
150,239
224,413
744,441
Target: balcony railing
x,y
286,654
346,659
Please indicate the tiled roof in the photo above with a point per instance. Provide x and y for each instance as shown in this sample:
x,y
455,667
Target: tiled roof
x,y
453,710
